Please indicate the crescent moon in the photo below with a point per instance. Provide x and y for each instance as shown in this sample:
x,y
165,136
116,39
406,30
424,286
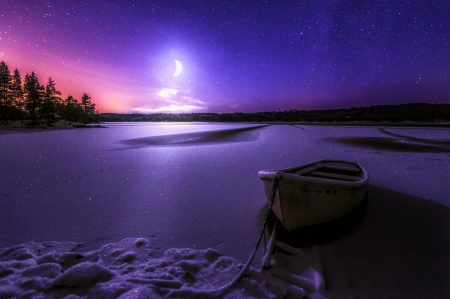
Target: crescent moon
x,y
178,68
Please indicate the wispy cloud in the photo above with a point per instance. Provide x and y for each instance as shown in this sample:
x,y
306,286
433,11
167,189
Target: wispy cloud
x,y
171,100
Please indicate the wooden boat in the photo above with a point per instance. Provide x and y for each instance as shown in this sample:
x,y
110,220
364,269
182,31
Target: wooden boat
x,y
316,192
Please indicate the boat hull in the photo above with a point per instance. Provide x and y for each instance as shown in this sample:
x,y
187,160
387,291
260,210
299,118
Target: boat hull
x,y
303,200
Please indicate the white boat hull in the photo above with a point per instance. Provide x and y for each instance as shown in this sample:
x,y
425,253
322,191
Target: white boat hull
x,y
306,195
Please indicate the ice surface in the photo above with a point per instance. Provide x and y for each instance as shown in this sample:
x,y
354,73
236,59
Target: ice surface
x,y
198,189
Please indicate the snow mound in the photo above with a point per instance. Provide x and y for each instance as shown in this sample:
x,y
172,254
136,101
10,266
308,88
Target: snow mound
x,y
127,269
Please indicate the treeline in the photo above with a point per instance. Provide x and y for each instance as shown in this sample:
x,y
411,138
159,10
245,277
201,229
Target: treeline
x,y
417,112
28,100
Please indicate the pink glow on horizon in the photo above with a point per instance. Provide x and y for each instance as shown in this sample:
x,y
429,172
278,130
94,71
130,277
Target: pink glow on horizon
x,y
75,78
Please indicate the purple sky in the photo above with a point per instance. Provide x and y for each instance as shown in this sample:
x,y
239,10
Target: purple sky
x,y
236,55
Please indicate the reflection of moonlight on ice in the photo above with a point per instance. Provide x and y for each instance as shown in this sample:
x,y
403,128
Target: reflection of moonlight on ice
x,y
178,69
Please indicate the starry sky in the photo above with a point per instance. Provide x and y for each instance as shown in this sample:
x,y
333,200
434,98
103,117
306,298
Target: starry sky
x,y
237,56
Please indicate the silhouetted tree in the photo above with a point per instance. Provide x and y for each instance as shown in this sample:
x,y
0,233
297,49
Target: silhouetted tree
x,y
17,93
52,98
71,110
5,99
78,111
88,108
33,96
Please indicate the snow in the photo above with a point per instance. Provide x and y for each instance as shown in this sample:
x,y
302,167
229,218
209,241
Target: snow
x,y
174,210
127,269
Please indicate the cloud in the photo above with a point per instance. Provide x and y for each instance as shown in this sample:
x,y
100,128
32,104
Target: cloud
x,y
171,100
169,109
167,92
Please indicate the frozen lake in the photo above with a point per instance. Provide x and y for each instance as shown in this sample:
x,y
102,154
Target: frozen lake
x,y
186,185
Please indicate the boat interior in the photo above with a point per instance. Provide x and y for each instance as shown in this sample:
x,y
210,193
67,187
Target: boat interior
x,y
337,170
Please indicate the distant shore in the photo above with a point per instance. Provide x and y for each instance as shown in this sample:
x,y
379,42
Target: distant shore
x,y
19,126
310,123
366,123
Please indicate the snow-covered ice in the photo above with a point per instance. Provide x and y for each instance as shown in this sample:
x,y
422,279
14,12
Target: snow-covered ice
x,y
174,210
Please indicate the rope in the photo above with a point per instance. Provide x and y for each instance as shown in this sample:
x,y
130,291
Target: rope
x,y
244,270
214,293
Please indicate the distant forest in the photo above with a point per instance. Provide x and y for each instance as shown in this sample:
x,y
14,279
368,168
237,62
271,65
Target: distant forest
x,y
416,112
27,100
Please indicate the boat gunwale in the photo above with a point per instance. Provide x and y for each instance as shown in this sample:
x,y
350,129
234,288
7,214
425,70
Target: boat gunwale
x,y
287,173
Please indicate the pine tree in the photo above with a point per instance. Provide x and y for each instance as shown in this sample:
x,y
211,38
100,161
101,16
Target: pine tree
x,y
17,93
5,99
69,109
77,111
52,98
33,96
88,108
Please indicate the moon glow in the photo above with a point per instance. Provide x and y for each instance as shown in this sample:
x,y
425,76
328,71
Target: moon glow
x,y
178,68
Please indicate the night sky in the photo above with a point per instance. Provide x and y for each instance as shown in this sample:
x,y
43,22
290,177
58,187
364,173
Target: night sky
x,y
236,55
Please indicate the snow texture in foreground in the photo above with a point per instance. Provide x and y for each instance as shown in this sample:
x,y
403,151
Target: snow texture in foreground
x,y
127,269
352,267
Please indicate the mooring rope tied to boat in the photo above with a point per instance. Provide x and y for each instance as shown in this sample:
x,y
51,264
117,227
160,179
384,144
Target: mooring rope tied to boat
x,y
247,265
272,199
